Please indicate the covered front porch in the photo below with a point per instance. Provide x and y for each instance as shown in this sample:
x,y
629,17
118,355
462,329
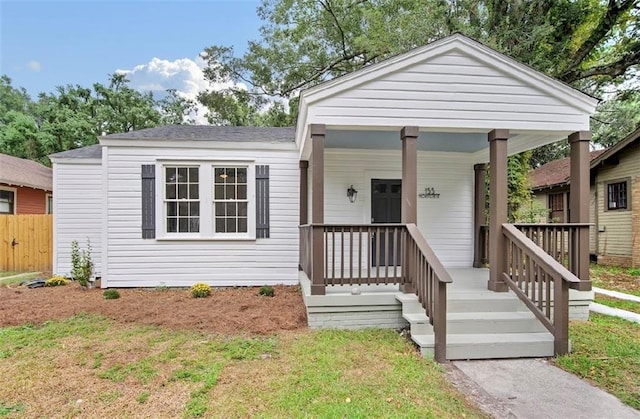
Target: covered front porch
x,y
416,150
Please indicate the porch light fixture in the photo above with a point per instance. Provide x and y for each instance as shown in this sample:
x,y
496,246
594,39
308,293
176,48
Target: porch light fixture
x,y
352,194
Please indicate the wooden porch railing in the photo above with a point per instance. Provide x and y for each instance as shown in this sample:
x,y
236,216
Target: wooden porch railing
x,y
345,254
560,241
541,282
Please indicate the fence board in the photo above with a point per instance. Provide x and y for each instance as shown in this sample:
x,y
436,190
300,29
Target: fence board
x,y
33,238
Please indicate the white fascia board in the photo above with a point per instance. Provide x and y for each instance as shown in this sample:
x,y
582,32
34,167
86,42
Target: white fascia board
x,y
57,160
461,43
202,144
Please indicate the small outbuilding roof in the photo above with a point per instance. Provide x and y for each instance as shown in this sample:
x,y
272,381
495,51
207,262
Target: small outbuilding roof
x,y
88,152
209,133
22,172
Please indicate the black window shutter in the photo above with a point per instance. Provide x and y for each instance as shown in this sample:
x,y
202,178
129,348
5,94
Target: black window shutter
x,y
262,201
148,201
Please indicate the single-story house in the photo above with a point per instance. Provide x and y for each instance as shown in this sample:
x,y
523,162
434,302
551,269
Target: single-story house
x,y
614,238
373,203
25,186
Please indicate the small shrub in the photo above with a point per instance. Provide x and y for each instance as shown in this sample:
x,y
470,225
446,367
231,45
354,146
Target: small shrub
x,y
267,291
111,294
56,281
634,271
200,290
81,263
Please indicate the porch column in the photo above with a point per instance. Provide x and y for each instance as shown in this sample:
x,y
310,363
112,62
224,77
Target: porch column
x,y
409,211
579,200
498,207
304,192
479,204
317,208
409,208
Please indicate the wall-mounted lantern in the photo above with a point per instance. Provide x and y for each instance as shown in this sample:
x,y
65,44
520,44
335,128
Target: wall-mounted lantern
x,y
352,194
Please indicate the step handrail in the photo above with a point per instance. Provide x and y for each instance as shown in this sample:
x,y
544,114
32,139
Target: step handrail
x,y
429,279
530,272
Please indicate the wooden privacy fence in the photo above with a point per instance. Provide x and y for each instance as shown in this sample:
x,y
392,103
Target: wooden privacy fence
x,y
26,242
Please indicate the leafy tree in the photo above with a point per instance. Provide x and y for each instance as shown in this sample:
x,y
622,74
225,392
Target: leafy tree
x,y
74,116
588,43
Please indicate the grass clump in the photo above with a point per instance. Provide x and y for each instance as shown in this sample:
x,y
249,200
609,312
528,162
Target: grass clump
x,y
634,271
267,291
56,281
111,294
606,351
200,290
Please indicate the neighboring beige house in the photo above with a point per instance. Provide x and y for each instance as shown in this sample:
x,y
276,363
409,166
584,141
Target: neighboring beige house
x,y
614,210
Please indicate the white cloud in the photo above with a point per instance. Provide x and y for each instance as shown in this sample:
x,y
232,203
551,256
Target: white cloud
x,y
184,75
34,65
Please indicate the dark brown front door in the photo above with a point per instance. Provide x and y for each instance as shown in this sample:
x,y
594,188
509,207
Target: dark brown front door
x,y
386,204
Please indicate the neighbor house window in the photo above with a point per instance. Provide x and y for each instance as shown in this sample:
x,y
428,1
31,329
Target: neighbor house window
x,y
230,202
556,207
617,195
7,201
49,203
182,199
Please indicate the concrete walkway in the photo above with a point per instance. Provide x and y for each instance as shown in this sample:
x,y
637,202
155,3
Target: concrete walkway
x,y
534,388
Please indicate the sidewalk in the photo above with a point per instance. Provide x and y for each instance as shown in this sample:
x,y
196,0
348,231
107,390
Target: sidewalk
x,y
534,388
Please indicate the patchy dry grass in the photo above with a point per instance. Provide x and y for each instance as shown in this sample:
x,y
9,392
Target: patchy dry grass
x,y
91,366
606,351
616,279
10,278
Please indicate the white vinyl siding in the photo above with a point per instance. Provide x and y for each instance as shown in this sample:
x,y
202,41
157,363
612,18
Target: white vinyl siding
x,y
446,222
77,213
450,90
134,261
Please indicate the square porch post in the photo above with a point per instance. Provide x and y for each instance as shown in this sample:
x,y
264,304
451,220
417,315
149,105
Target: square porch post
x,y
579,200
409,209
479,171
498,194
317,209
304,192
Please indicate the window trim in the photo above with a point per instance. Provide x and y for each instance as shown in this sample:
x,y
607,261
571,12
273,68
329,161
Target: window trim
x,y
206,173
606,194
15,199
48,203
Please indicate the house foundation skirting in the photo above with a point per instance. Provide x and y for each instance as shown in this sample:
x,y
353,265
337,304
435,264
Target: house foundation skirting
x,y
375,307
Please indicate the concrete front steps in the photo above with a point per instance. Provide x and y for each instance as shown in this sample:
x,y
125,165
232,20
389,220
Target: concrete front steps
x,y
483,325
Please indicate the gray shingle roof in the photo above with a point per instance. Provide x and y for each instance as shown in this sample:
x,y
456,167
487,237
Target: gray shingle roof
x,y
210,133
22,172
89,152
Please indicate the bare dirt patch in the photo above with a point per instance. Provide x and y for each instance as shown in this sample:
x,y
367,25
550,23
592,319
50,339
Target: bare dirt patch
x,y
226,311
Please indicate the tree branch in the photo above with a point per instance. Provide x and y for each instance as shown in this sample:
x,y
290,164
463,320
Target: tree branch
x,y
612,70
605,25
327,7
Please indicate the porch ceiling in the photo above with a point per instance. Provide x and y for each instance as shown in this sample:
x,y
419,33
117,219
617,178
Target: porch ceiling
x,y
474,143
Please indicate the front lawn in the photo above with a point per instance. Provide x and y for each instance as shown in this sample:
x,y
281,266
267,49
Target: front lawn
x,y
606,351
88,365
616,279
627,305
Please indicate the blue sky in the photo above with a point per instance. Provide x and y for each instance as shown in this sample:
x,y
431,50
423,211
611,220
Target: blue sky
x,y
48,43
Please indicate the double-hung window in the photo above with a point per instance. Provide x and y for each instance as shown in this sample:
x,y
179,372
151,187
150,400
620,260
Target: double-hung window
x,y
7,201
230,200
617,195
207,200
182,199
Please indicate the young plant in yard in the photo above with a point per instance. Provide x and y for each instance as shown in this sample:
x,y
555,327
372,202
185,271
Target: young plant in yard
x,y
111,294
200,290
56,281
267,291
81,263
